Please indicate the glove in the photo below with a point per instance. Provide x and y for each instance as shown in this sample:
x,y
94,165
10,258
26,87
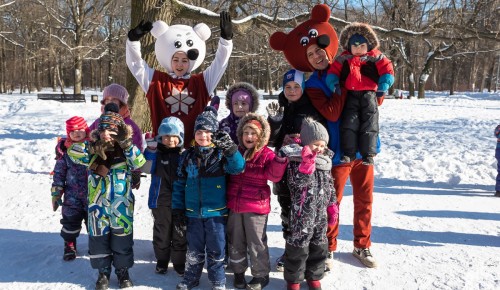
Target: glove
x,y
57,193
136,179
308,164
150,141
179,222
226,26
380,99
215,102
337,90
289,150
136,33
224,142
333,214
124,135
274,111
100,147
291,139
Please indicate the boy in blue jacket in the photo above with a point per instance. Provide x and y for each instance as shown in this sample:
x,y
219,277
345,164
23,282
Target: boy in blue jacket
x,y
200,195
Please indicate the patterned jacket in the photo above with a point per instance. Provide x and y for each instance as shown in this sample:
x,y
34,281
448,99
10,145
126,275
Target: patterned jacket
x,y
110,196
201,187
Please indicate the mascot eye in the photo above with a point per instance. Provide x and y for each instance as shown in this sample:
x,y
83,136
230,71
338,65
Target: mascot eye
x,y
189,42
177,44
304,41
313,33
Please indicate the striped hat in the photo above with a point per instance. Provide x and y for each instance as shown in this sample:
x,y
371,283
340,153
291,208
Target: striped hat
x,y
76,123
110,119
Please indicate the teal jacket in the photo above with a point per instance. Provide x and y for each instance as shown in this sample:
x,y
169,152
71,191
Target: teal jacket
x,y
201,187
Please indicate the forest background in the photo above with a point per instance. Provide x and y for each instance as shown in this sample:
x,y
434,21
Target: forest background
x,y
451,45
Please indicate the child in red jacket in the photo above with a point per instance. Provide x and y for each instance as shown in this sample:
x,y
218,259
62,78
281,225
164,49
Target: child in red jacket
x,y
366,74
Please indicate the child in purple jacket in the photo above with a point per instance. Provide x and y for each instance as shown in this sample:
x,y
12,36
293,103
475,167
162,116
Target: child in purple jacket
x,y
249,202
70,182
497,156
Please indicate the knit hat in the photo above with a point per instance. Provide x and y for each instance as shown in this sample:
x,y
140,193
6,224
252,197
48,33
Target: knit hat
x,y
207,120
76,123
116,91
311,131
171,126
110,119
294,75
357,39
245,92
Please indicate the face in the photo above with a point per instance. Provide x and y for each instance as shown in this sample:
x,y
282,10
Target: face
x,y
317,146
250,137
180,63
359,50
77,135
203,137
317,57
293,91
240,108
170,141
106,135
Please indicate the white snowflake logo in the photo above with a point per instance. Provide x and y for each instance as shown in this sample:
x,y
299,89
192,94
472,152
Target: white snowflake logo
x,y
179,101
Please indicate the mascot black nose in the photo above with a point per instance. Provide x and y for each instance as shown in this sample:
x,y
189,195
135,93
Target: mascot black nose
x,y
193,54
323,41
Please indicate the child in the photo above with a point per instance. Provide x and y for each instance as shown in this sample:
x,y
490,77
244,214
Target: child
x,y
285,129
249,201
110,156
497,156
169,237
366,74
312,192
70,180
115,93
241,98
200,194
180,49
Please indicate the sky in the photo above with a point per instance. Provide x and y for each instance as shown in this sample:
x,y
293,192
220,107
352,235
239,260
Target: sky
x,y
436,223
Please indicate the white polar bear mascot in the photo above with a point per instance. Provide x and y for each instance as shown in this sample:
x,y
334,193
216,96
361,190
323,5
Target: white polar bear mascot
x,y
180,49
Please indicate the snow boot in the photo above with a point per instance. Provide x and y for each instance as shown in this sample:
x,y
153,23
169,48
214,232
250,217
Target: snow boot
x,y
280,263
239,281
329,262
69,250
258,283
314,284
365,257
102,281
123,278
180,269
161,267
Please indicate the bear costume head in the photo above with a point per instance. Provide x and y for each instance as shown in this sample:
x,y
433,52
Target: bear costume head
x,y
175,38
316,30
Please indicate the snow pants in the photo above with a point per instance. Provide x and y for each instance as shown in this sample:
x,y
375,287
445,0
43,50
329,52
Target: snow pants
x,y
114,247
74,211
247,237
169,242
304,263
359,127
361,177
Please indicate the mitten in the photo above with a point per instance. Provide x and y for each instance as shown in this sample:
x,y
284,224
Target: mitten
x,y
100,147
289,150
151,142
57,193
123,136
308,164
380,94
337,90
497,131
333,214
226,26
215,102
179,222
274,111
380,100
224,142
136,179
291,139
136,33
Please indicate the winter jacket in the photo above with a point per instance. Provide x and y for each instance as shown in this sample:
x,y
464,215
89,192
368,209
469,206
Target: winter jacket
x,y
311,194
164,162
111,200
230,123
72,177
249,191
136,131
201,186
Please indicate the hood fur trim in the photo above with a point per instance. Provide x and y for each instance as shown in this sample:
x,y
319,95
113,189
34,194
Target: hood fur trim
x,y
246,86
266,130
359,28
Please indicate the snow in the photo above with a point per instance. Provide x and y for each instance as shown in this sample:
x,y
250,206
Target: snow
x,y
436,223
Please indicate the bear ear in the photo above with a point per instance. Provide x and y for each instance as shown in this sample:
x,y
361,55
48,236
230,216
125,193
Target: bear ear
x,y
277,40
320,13
202,30
159,27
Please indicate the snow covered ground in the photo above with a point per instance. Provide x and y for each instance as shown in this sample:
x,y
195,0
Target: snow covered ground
x,y
436,223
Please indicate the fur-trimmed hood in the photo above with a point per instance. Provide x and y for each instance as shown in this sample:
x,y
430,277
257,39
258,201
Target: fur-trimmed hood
x,y
245,86
265,133
360,28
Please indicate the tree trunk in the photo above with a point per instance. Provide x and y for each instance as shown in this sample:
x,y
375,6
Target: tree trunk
x,y
411,84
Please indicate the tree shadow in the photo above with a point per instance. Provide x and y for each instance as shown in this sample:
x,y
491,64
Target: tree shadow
x,y
452,214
